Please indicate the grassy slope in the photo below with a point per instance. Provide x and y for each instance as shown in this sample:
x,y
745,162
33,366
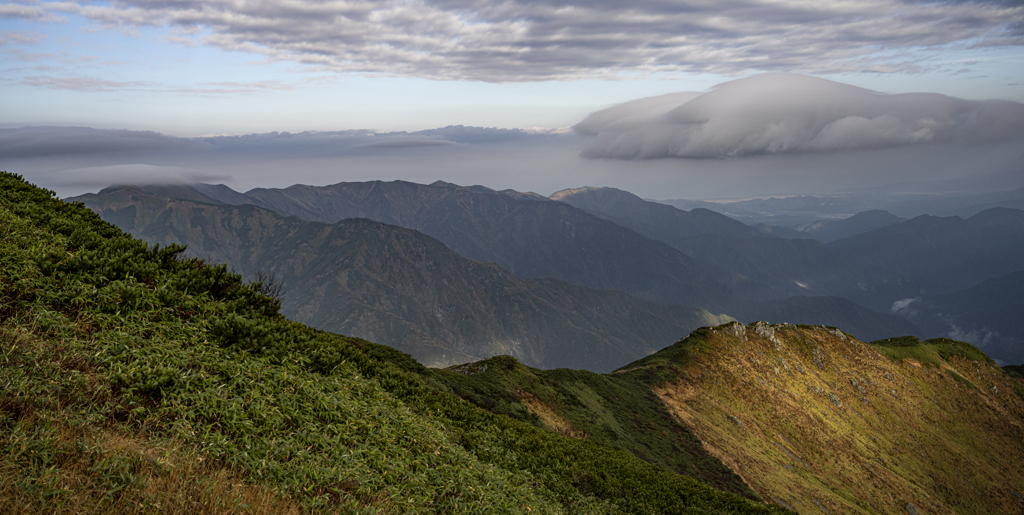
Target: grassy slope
x,y
134,381
808,417
609,408
816,419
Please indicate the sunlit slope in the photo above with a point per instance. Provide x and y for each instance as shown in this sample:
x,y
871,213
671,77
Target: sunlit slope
x,y
134,381
806,417
814,419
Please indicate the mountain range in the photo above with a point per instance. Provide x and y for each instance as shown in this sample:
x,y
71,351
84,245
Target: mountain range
x,y
881,261
402,288
441,322
140,379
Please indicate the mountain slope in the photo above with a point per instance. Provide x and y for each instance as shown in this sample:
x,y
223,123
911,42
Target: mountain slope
x,y
928,256
531,238
831,230
404,289
136,381
552,239
656,221
987,315
808,417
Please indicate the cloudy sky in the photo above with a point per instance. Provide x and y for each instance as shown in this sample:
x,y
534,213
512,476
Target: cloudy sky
x,y
881,82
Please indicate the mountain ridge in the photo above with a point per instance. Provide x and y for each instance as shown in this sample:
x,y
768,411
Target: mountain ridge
x,y
399,287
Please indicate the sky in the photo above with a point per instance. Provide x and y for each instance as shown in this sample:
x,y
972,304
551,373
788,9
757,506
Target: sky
x,y
905,86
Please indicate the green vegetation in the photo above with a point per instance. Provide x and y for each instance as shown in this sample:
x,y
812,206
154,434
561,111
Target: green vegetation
x,y
930,352
132,380
616,409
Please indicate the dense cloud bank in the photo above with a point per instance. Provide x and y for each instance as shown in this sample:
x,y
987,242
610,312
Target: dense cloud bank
x,y
526,40
787,113
50,141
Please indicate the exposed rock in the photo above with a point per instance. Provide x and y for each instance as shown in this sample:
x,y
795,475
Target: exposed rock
x,y
736,329
835,400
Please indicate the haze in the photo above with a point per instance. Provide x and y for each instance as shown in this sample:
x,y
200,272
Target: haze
x,y
667,100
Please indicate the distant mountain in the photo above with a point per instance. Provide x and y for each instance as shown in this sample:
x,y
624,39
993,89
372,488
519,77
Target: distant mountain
x,y
874,258
807,417
931,255
989,315
656,221
532,238
544,238
830,230
907,201
1006,220
401,288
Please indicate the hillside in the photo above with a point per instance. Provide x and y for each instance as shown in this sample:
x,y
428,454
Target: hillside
x,y
404,289
808,417
656,221
531,238
138,381
541,238
987,315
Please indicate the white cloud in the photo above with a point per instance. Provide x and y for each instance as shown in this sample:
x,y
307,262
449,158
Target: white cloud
x,y
525,40
900,306
786,113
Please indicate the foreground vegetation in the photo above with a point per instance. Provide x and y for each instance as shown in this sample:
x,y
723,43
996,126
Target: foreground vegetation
x,y
133,380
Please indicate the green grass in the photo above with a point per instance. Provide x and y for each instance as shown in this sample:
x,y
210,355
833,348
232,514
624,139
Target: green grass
x,y
616,409
931,352
107,339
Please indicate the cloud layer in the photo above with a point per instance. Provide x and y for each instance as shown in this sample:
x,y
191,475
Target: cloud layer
x,y
525,40
787,113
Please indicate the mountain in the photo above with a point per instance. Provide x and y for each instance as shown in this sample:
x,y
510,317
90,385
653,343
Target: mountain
x,y
830,230
930,255
884,261
831,310
137,380
553,239
987,315
531,238
656,221
404,289
809,418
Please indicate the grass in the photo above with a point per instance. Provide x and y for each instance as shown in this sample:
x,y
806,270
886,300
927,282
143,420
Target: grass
x,y
931,352
131,377
617,409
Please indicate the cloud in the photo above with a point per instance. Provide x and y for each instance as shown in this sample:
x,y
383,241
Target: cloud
x,y
35,142
19,37
31,12
42,142
527,40
83,83
785,113
901,307
96,177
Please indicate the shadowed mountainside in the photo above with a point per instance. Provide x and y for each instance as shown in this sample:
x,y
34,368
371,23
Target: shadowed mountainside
x,y
882,263
404,289
988,315
542,238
